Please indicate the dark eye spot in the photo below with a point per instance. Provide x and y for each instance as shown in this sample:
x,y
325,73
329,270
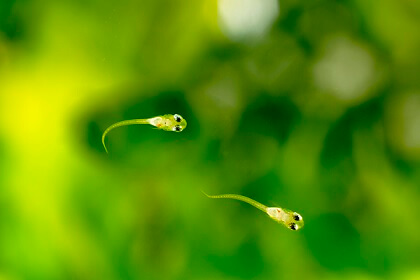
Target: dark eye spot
x,y
293,226
177,118
297,217
177,128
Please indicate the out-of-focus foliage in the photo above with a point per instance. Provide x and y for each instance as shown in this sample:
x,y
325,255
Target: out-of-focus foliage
x,y
309,105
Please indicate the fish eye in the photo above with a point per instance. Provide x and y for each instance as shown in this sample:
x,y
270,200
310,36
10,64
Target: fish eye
x,y
297,217
293,226
177,118
177,128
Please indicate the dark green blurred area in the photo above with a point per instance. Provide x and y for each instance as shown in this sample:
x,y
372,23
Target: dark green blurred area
x,y
309,105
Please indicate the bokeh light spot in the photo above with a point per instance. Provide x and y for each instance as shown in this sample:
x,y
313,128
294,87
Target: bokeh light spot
x,y
346,71
246,19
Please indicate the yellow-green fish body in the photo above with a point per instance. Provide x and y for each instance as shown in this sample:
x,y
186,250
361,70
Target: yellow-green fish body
x,y
166,122
292,220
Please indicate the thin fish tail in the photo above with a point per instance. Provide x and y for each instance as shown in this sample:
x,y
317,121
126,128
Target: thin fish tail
x,y
248,200
122,123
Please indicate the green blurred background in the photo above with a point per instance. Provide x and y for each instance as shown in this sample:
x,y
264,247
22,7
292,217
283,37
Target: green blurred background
x,y
309,105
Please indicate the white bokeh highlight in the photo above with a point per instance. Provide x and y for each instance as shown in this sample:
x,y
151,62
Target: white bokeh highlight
x,y
346,70
246,19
